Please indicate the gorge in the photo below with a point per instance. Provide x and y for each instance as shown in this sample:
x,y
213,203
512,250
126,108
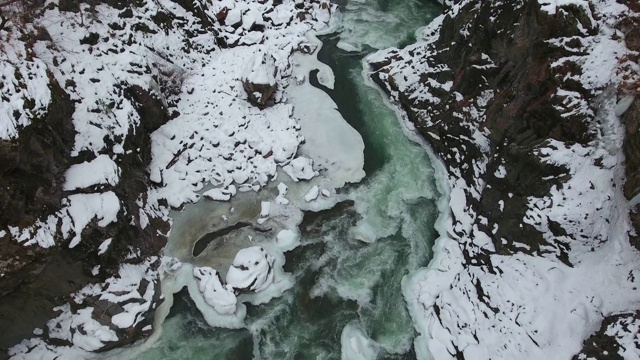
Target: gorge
x,y
417,180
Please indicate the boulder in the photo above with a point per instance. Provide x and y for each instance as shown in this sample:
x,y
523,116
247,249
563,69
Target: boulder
x,y
259,80
220,297
251,271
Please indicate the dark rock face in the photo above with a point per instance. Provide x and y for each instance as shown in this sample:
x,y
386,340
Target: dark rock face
x,y
631,120
37,279
260,95
603,345
32,174
31,177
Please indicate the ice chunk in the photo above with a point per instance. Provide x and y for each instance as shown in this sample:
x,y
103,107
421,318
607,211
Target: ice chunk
x,y
287,238
356,345
265,206
312,194
219,296
282,191
252,270
300,168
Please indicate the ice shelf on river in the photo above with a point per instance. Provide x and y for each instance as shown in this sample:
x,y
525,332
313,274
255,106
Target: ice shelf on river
x,y
265,220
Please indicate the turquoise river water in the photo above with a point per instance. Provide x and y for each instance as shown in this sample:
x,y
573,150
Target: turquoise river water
x,y
342,281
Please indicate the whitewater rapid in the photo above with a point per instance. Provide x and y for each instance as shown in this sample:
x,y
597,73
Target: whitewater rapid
x,y
339,288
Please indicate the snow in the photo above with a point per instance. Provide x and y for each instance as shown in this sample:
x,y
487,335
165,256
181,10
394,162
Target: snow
x,y
282,191
77,325
252,270
312,194
82,208
99,171
525,306
220,297
41,233
24,82
220,194
261,70
286,238
300,169
265,206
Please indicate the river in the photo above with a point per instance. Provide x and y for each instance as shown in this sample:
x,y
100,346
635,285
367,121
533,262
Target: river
x,y
347,292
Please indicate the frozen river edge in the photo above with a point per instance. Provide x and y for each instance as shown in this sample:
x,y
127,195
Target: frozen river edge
x,y
336,150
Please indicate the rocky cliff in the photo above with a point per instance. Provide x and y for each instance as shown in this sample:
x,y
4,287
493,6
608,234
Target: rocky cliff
x,y
525,103
112,112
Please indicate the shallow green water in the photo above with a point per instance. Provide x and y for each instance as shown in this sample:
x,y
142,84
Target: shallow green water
x,y
340,279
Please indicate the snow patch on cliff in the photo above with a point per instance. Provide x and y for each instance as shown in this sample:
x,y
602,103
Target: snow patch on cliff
x,y
131,290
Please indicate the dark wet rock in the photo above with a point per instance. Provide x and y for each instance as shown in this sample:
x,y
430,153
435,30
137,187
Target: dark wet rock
x,y
221,16
199,9
90,39
605,344
260,95
202,243
259,81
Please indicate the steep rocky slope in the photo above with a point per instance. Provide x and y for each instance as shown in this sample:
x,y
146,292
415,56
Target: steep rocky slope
x,y
112,112
521,101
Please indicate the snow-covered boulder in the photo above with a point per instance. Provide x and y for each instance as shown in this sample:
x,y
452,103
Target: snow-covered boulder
x,y
220,297
259,80
252,270
300,168
220,194
282,191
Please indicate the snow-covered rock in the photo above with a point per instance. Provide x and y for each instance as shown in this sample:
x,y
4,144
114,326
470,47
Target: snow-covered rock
x,y
151,110
252,270
533,172
312,194
300,168
125,301
282,191
99,171
220,297
259,79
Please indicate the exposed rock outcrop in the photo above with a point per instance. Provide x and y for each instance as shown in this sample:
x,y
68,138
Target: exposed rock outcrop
x,y
260,80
